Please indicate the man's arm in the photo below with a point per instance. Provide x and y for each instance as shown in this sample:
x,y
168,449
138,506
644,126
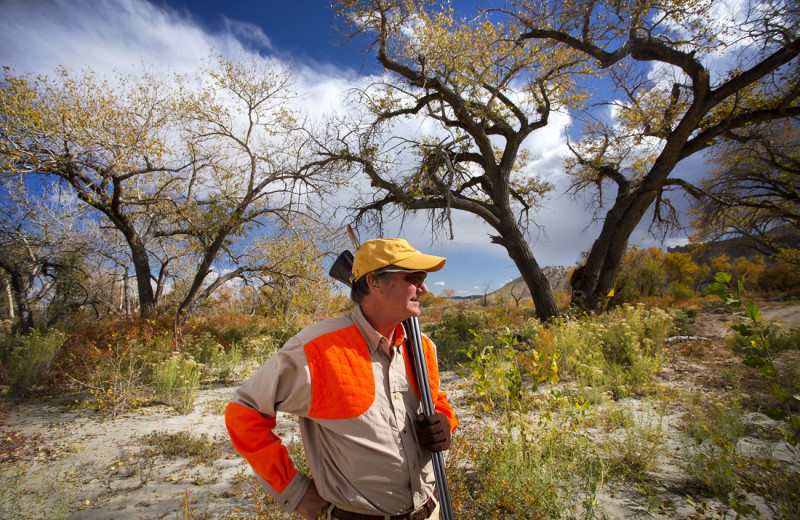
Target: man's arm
x,y
282,383
251,435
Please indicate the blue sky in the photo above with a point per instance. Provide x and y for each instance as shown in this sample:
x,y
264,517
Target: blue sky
x,y
37,36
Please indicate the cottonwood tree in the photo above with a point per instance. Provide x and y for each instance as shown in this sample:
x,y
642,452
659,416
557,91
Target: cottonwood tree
x,y
478,96
108,143
677,81
680,77
754,189
296,281
255,169
177,169
39,251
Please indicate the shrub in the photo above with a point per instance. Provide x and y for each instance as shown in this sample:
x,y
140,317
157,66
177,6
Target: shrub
x,y
493,375
537,472
28,359
177,381
117,382
618,352
713,427
452,333
681,292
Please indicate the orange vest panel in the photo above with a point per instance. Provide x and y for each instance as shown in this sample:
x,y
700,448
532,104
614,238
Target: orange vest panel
x,y
342,383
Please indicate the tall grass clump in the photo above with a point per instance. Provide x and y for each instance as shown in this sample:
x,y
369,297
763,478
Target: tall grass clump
x,y
452,334
177,380
637,446
616,353
713,427
26,359
539,470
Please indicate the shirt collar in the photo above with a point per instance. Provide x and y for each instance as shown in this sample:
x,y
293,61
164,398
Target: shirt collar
x,y
372,336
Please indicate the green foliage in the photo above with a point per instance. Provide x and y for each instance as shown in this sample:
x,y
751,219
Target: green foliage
x,y
26,359
177,380
763,348
493,374
713,427
453,332
184,444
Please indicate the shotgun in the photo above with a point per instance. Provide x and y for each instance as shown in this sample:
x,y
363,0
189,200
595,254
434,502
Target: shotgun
x,y
341,270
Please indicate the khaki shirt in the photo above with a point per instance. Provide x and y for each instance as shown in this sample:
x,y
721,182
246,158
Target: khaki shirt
x,y
370,462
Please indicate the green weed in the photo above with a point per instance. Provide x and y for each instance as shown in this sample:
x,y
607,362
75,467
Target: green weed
x,y
177,381
26,359
183,444
713,428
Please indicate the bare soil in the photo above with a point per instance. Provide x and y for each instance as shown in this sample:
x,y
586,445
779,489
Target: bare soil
x,y
73,460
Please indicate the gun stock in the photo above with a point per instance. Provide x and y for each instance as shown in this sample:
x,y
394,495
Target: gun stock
x,y
342,268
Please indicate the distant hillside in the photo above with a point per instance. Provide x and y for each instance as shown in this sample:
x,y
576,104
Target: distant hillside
x,y
556,275
702,254
739,246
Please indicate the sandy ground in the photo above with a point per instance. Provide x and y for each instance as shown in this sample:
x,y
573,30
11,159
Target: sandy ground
x,y
91,467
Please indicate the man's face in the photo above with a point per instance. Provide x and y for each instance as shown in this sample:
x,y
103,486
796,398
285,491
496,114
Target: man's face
x,y
399,295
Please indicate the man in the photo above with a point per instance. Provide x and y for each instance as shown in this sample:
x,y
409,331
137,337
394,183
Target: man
x,y
350,383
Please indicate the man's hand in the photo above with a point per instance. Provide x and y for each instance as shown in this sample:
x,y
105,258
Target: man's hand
x,y
433,431
312,505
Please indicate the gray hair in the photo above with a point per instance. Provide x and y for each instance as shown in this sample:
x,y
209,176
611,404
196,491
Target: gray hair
x,y
360,288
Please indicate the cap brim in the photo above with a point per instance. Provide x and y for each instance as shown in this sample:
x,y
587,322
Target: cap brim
x,y
422,262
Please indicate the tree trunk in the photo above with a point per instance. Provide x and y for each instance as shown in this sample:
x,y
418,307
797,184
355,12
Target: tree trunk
x,y
592,282
10,299
202,272
542,294
287,302
141,264
20,290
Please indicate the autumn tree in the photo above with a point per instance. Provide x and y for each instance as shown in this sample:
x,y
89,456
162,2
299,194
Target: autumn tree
x,y
680,268
477,95
753,189
294,279
679,77
108,143
644,274
256,170
184,172
39,249
721,263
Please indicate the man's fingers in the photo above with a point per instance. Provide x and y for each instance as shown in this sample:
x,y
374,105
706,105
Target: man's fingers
x,y
433,432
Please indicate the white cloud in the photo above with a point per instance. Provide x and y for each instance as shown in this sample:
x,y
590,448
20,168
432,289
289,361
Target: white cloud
x,y
439,283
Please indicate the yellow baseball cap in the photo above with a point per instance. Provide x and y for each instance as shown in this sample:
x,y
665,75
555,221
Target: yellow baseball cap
x,y
383,252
